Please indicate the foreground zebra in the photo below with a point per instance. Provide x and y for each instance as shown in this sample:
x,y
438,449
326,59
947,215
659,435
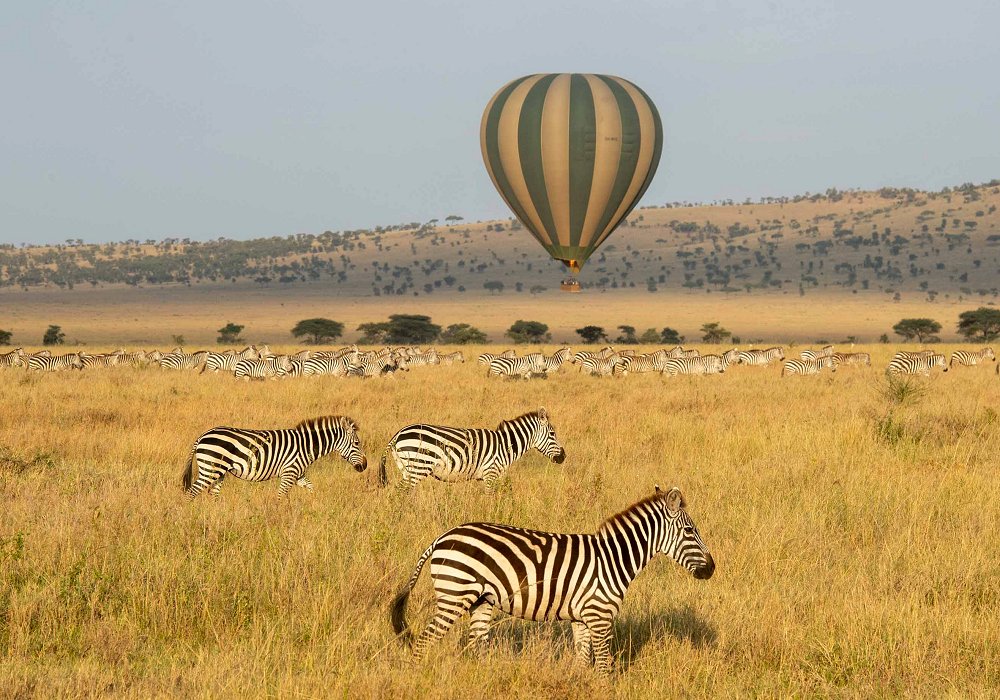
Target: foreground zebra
x,y
908,364
259,455
14,358
536,575
269,367
826,351
54,363
794,366
703,364
600,366
760,358
467,454
487,357
852,358
511,367
971,359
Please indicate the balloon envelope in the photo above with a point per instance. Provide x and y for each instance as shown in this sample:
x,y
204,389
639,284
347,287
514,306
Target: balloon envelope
x,y
571,154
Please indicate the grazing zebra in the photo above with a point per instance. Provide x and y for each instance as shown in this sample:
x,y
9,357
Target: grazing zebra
x,y
760,358
452,358
216,361
554,362
706,364
730,357
269,367
511,367
14,358
487,357
794,366
259,455
154,356
971,359
375,366
600,366
469,454
852,358
57,363
904,364
542,576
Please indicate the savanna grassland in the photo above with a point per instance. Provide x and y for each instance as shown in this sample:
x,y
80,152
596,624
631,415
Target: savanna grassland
x,y
856,537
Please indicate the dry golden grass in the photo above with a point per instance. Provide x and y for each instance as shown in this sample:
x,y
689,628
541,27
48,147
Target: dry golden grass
x,y
856,543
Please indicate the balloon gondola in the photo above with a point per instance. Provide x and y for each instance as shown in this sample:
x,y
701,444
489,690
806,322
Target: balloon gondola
x,y
571,154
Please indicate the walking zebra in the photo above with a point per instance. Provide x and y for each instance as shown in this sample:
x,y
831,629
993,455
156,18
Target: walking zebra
x,y
14,358
181,360
906,364
487,357
375,366
794,366
852,358
971,359
649,362
216,361
760,358
269,367
259,455
54,363
542,576
421,359
511,367
469,454
452,358
826,351
600,366
110,360
705,364
554,362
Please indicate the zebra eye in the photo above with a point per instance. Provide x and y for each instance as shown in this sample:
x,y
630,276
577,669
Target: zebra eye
x,y
688,530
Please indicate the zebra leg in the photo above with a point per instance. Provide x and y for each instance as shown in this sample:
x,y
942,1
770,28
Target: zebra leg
x,y
305,483
479,626
600,633
208,476
448,611
216,489
581,642
286,480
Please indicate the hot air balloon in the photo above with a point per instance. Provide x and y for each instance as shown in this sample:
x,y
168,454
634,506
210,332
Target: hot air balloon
x,y
571,154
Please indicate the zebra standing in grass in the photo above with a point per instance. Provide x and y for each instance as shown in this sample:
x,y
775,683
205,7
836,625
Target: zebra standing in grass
x,y
375,366
794,366
467,454
555,361
542,576
706,364
14,358
268,368
600,366
649,362
826,351
852,358
57,363
426,358
487,357
971,359
511,367
759,358
259,455
216,361
907,364
453,358
179,360
106,360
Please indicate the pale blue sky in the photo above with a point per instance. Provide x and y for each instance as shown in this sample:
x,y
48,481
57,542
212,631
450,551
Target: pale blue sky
x,y
242,119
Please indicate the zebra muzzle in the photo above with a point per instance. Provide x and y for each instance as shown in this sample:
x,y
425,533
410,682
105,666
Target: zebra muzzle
x,y
706,570
362,465
560,457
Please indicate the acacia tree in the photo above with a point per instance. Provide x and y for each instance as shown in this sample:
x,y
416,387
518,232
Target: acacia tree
x,y
230,334
627,336
529,332
463,334
591,334
318,330
981,325
5,337
650,337
922,329
714,332
53,336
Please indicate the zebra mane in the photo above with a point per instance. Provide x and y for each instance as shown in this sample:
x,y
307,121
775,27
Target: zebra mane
x,y
530,414
624,515
340,421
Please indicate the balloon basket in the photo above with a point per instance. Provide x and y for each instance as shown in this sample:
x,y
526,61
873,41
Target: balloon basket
x,y
570,285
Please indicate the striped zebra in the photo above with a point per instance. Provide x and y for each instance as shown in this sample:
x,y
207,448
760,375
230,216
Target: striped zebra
x,y
453,358
513,367
556,360
375,366
267,368
703,364
105,360
852,358
914,353
601,366
259,455
730,357
180,360
423,359
469,454
132,359
14,358
760,358
826,351
54,363
971,359
648,362
905,364
794,366
216,361
545,576
487,357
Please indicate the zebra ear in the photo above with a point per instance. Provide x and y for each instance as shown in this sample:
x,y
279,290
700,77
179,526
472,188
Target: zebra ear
x,y
675,499
543,414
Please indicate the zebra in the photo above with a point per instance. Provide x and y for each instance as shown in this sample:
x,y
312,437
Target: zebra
x,y
54,363
648,362
179,360
269,367
826,351
703,364
259,455
902,364
132,359
600,366
427,358
970,359
453,358
512,367
544,576
375,366
760,358
730,357
852,358
107,360
794,366
216,361
469,454
554,362
487,357
14,358
913,353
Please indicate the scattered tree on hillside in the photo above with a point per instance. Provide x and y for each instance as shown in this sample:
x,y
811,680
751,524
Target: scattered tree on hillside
x,y
536,289
5,337
53,336
714,333
463,334
627,336
495,287
923,329
649,337
671,337
591,334
529,332
319,331
408,329
229,334
981,325
373,333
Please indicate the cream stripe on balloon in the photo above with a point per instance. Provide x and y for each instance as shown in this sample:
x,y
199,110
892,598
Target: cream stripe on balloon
x,y
607,154
510,157
555,155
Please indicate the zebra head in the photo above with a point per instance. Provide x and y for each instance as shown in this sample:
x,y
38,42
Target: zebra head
x,y
348,443
681,540
939,361
544,438
988,352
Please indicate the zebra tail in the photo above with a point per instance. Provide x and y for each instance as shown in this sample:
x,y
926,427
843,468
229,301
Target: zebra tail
x,y
397,612
190,472
383,478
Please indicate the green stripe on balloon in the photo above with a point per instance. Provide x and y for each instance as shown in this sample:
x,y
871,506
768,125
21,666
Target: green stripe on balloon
x,y
529,143
582,151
